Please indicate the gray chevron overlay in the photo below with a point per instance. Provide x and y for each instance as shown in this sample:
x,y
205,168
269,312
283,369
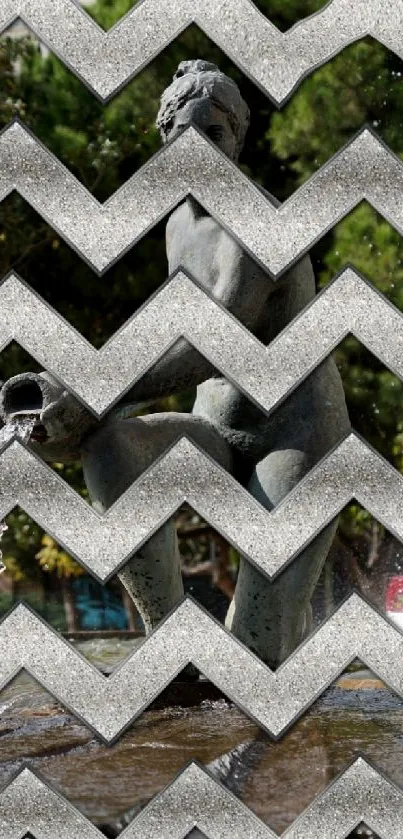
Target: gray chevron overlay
x,y
365,169
102,543
180,309
28,804
109,704
276,61
361,793
276,237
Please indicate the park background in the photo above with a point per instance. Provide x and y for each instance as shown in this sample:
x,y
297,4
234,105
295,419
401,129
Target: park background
x,y
103,145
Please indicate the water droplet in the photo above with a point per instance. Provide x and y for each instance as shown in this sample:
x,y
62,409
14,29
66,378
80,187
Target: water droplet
x,y
21,428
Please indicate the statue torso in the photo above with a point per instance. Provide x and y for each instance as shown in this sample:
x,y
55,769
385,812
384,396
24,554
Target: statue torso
x,y
200,246
204,249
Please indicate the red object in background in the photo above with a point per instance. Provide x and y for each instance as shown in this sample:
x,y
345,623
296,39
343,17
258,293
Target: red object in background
x,y
394,595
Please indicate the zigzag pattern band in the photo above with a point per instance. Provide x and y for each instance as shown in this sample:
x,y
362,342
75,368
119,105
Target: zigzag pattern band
x,y
364,170
277,62
180,309
361,793
109,704
101,233
103,543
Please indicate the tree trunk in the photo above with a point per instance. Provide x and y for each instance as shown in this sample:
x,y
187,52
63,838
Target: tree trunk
x,y
72,621
131,611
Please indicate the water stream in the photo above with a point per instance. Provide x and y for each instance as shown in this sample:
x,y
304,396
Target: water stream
x,y
19,428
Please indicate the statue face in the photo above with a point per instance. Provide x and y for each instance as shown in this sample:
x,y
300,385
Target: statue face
x,y
210,118
203,96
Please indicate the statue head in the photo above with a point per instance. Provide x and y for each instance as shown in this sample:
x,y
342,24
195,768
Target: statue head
x,y
200,94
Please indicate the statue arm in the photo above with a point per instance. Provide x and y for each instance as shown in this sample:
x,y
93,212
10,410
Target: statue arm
x,y
243,292
181,368
241,286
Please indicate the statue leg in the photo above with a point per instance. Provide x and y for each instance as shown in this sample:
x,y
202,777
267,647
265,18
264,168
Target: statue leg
x,y
113,459
272,618
153,577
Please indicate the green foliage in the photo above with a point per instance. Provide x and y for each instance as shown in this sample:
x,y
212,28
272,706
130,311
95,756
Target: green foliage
x,y
52,611
357,87
108,12
54,560
361,86
285,13
104,145
18,544
374,248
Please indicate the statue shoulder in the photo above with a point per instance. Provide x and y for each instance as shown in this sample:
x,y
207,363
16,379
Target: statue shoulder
x,y
180,219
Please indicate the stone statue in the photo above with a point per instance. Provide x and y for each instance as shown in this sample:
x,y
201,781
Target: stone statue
x,y
267,455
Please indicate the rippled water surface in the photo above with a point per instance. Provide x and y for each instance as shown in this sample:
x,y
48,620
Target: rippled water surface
x,y
277,780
